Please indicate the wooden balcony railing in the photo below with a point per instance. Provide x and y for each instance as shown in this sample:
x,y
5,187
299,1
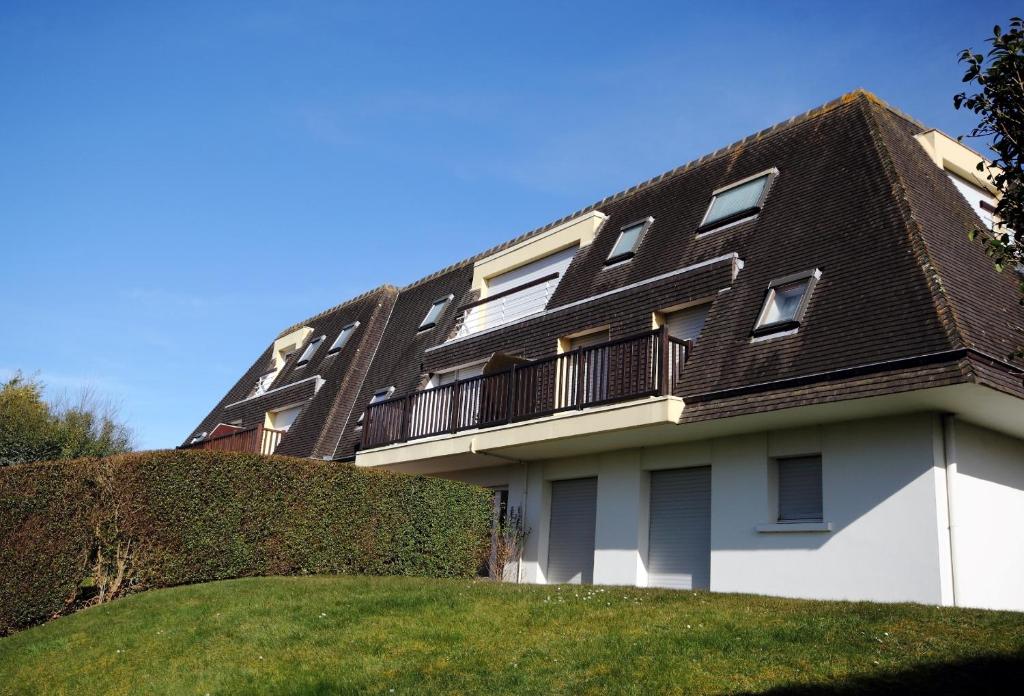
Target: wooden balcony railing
x,y
647,364
258,440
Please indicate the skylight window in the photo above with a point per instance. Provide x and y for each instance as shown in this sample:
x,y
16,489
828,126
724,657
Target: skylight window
x,y
629,240
737,201
342,339
430,321
378,396
307,354
785,303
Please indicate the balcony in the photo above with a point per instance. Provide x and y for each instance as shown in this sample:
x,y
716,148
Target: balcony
x,y
636,367
258,440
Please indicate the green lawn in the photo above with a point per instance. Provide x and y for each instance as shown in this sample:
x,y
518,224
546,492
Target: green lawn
x,y
324,635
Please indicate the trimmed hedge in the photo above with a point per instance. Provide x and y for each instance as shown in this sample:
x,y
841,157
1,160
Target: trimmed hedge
x,y
155,519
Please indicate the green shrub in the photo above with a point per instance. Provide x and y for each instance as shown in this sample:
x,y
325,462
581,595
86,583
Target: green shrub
x,y
155,519
45,538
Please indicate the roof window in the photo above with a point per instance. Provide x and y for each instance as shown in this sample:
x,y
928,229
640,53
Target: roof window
x,y
342,339
737,201
785,303
434,313
629,240
310,351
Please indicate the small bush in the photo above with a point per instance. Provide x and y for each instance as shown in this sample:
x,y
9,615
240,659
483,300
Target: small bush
x,y
155,519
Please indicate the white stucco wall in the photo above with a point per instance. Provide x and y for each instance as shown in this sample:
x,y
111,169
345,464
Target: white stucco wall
x,y
884,494
879,493
988,517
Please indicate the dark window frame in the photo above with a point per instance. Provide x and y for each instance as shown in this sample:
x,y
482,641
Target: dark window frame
x,y
305,360
705,226
627,255
444,302
812,277
335,348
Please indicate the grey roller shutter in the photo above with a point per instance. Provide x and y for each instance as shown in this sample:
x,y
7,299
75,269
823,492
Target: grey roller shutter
x,y
686,324
571,536
800,489
679,546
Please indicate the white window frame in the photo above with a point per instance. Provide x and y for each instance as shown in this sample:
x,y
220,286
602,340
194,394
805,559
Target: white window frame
x,y
343,337
623,256
742,215
430,322
789,325
311,348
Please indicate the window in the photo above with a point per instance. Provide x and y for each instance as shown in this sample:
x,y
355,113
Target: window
x,y
455,375
737,201
310,351
342,339
799,489
434,313
686,324
282,419
514,295
263,383
629,239
785,303
378,396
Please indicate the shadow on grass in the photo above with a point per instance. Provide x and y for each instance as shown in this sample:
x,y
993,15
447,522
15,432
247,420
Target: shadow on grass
x,y
988,674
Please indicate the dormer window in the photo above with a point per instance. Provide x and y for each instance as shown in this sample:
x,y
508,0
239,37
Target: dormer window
x,y
737,201
342,339
434,313
785,303
307,354
629,240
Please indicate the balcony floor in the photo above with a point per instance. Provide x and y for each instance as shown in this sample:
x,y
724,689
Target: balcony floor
x,y
602,428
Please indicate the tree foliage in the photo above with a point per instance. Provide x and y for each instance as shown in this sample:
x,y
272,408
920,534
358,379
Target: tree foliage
x,y
999,104
33,430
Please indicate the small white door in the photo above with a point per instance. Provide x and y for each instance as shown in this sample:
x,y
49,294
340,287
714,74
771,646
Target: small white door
x,y
679,546
571,535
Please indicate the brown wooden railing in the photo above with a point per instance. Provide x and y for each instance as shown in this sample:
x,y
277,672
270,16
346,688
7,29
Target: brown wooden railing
x,y
258,440
647,364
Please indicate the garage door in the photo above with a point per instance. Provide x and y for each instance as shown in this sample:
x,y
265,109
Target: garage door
x,y
571,539
679,547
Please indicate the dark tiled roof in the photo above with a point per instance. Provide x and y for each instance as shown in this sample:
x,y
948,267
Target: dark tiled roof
x,y
855,197
341,373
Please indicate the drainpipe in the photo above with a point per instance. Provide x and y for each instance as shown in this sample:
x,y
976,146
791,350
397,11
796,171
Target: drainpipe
x,y
950,457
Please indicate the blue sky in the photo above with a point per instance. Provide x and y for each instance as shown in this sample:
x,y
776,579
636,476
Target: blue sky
x,y
180,181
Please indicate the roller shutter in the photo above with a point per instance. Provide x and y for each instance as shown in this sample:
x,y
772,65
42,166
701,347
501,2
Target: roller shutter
x,y
679,546
571,536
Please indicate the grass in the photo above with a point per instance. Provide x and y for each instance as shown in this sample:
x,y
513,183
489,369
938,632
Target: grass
x,y
326,635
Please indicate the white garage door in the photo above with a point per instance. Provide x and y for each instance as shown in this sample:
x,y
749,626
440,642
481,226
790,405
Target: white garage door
x,y
679,548
571,539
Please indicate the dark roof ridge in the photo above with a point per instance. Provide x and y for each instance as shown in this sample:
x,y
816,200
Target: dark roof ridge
x,y
943,304
815,112
377,290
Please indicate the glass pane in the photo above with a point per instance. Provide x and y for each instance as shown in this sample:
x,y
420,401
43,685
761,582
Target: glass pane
x,y
742,197
339,342
783,302
310,350
627,240
434,313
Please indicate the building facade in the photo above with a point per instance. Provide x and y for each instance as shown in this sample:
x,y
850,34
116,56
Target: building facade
x,y
780,369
